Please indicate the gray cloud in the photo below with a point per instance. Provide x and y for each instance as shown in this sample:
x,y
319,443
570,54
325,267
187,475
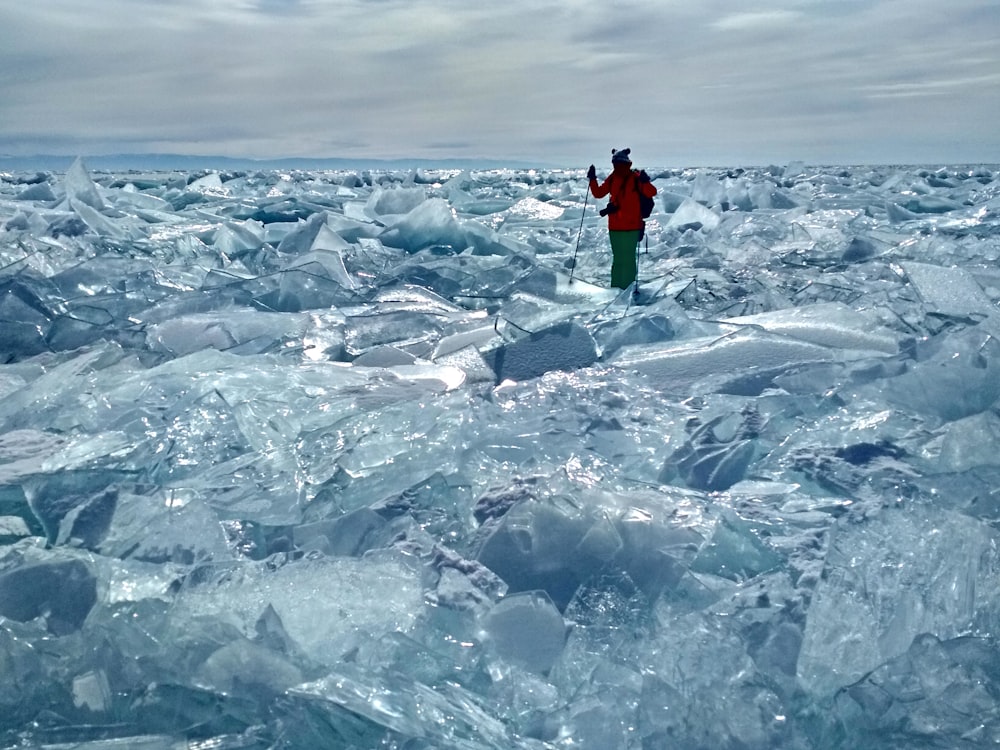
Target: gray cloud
x,y
682,81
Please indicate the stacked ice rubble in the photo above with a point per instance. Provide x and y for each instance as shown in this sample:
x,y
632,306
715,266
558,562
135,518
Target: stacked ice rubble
x,y
376,460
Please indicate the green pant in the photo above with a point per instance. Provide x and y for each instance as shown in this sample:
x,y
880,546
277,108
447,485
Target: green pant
x,y
623,263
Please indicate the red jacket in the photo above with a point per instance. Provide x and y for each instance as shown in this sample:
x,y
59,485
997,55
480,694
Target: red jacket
x,y
621,186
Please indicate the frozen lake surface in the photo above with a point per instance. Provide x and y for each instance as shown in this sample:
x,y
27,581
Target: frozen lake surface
x,y
377,460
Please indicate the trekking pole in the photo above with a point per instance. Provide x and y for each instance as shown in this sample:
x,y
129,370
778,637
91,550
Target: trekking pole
x,y
638,242
579,234
635,290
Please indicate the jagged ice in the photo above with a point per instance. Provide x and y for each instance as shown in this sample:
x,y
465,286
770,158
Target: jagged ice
x,y
376,459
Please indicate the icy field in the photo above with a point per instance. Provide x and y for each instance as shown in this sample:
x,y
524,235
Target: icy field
x,y
363,460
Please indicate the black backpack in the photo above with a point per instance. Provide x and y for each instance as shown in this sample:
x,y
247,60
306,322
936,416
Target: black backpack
x,y
645,202
645,209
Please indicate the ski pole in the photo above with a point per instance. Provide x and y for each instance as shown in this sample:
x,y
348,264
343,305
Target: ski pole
x,y
579,234
635,290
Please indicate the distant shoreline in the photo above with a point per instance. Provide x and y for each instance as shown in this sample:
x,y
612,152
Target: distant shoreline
x,y
168,162
187,163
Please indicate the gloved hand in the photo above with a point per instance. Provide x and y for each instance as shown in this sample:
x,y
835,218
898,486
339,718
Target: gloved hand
x,y
643,177
592,173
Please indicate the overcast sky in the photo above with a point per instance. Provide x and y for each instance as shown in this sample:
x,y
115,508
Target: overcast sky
x,y
681,82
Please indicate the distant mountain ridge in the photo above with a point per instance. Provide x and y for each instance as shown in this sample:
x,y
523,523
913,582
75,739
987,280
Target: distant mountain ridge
x,y
159,162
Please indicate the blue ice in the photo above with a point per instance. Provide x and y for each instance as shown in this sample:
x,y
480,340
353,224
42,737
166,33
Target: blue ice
x,y
377,459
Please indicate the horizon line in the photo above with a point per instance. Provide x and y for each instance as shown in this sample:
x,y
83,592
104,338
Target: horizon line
x,y
155,160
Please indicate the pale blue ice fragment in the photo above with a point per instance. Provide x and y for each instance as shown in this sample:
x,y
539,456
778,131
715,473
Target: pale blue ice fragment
x,y
238,238
41,192
243,666
480,337
145,203
299,289
969,443
350,600
393,202
384,356
679,366
831,324
98,222
312,234
92,692
327,262
173,527
794,169
707,189
13,528
949,290
958,377
430,224
930,204
693,215
735,552
445,715
400,328
898,215
539,546
654,328
24,318
932,565
717,455
83,325
210,184
226,330
79,185
941,688
69,510
351,534
527,629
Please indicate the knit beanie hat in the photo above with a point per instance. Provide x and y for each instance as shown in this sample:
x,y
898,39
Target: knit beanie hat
x,y
621,156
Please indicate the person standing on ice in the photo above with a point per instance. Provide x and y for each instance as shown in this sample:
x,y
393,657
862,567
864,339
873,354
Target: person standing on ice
x,y
624,212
